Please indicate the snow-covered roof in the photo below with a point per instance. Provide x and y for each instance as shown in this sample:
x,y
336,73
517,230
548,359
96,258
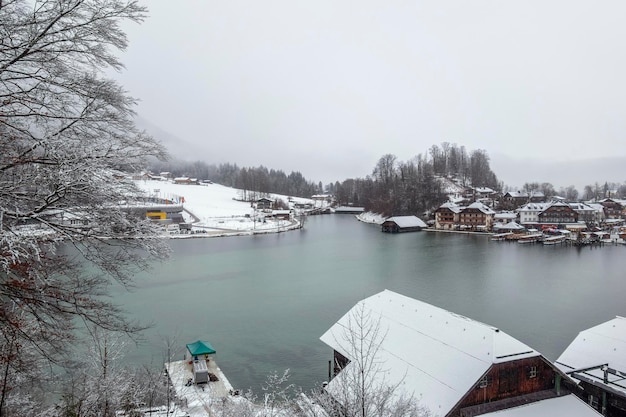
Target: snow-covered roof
x,y
512,226
566,405
517,194
538,207
484,190
602,344
480,206
580,206
452,206
506,215
596,206
407,221
436,354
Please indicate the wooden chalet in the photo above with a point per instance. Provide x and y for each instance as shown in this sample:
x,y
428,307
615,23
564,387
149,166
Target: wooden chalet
x,y
447,216
280,214
557,214
476,216
399,224
613,209
587,213
477,193
596,361
452,365
513,199
185,180
264,203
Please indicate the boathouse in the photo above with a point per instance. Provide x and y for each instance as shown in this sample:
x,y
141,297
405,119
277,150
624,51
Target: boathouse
x,y
596,360
452,365
398,224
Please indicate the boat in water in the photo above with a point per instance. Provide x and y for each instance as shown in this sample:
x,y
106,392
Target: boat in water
x,y
496,237
530,238
554,240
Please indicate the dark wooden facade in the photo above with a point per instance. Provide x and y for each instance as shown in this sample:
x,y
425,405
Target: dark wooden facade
x,y
474,217
264,204
339,362
392,227
558,214
603,398
510,384
612,209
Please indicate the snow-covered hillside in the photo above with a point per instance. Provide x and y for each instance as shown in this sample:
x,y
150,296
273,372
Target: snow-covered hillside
x,y
216,207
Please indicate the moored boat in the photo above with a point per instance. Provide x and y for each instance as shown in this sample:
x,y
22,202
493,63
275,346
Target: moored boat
x,y
554,240
530,238
500,236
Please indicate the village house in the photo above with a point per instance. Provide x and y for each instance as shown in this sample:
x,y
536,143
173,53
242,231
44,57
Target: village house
x,y
596,360
322,198
599,212
399,224
185,180
504,217
264,203
614,208
558,214
476,216
447,216
588,213
529,213
514,199
477,193
451,365
280,214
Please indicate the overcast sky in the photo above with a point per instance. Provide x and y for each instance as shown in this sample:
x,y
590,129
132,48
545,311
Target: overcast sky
x,y
327,87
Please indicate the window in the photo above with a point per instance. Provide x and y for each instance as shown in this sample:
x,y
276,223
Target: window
x,y
485,381
593,401
532,372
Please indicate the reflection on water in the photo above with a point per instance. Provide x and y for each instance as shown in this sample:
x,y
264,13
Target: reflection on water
x,y
263,301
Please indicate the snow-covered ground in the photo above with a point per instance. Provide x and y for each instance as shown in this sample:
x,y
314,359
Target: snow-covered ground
x,y
214,209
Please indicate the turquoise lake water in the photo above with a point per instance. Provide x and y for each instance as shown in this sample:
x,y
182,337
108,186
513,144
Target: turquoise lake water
x,y
264,301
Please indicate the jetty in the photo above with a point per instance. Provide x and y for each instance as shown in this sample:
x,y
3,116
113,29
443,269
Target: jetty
x,y
198,383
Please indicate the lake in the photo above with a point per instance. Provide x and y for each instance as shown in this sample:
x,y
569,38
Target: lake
x,y
263,301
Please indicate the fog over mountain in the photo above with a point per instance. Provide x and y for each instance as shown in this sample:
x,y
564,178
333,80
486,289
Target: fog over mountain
x,y
513,172
326,88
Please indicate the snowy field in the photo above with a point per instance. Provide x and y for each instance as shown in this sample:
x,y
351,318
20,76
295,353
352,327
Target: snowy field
x,y
214,209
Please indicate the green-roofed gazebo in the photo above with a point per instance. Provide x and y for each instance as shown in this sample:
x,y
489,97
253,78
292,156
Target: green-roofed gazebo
x,y
200,348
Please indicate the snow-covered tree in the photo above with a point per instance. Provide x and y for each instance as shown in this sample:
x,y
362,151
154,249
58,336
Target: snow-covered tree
x,y
67,138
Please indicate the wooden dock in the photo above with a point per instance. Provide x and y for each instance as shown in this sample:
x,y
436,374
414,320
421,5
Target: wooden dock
x,y
198,399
